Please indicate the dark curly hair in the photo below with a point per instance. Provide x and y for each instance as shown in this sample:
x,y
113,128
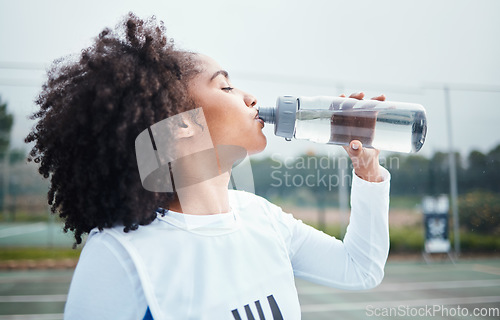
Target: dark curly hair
x,y
91,110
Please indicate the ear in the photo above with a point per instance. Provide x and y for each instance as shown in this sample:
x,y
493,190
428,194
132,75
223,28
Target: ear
x,y
186,128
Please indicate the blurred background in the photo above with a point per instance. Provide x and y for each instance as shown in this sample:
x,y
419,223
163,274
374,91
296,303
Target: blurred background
x,y
442,54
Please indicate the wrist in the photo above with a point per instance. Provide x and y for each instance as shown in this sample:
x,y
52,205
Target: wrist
x,y
372,174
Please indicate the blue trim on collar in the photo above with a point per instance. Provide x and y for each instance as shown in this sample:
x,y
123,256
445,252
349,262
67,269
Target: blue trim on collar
x,y
148,315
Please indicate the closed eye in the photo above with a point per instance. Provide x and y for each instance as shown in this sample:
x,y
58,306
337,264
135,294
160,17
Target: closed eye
x,y
228,89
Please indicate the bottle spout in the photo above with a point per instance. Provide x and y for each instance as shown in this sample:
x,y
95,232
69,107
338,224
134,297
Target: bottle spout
x,y
267,114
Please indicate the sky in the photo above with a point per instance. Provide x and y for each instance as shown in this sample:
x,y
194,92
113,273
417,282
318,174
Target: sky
x,y
408,50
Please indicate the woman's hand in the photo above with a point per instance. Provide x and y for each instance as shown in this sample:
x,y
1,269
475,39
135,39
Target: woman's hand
x,y
364,160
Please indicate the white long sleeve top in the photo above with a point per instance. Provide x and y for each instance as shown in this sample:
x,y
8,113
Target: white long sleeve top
x,y
237,265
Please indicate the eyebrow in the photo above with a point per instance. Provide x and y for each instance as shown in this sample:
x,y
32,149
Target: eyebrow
x,y
223,72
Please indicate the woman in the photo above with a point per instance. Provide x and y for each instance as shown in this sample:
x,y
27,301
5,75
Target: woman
x,y
195,250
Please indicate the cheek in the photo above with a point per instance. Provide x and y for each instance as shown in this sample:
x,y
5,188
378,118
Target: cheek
x,y
219,123
226,129
220,115
227,119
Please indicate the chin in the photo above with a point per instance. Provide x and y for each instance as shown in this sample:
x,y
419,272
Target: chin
x,y
258,147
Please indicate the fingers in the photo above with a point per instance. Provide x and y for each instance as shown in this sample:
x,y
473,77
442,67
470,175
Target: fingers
x,y
364,161
379,98
358,95
354,149
361,95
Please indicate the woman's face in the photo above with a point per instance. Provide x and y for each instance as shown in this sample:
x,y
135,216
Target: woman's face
x,y
229,112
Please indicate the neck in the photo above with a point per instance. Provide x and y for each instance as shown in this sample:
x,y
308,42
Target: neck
x,y
201,180
207,197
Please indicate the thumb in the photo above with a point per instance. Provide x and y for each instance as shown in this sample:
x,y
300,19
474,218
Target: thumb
x,y
355,148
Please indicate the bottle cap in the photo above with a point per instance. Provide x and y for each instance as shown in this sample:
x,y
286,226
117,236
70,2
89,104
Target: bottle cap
x,y
285,113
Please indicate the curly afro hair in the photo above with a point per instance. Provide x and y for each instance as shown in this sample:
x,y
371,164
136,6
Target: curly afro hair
x,y
91,110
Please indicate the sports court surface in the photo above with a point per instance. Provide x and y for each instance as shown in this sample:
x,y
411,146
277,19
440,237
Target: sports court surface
x,y
410,289
466,289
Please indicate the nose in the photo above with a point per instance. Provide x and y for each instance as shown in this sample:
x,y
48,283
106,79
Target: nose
x,y
249,99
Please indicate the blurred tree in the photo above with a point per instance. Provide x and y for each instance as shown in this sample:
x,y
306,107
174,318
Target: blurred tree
x,y
440,172
411,175
480,212
493,169
475,174
6,121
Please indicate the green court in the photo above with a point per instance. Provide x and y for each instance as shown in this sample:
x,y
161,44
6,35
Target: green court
x,y
413,289
468,289
34,234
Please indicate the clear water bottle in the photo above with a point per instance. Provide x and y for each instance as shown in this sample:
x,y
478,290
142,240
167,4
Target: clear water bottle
x,y
384,125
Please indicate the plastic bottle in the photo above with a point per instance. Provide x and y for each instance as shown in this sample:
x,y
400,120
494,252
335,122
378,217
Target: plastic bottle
x,y
384,125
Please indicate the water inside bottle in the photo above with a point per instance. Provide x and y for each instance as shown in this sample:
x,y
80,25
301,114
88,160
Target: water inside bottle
x,y
386,129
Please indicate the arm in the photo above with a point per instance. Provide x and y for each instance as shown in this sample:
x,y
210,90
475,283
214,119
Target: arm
x,y
357,262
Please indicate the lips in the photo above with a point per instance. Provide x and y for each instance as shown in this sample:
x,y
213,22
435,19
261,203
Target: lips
x,y
259,119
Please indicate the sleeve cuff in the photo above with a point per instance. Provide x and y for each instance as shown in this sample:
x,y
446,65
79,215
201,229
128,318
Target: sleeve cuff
x,y
384,173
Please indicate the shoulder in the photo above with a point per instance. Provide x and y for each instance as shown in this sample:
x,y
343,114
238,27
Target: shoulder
x,y
124,244
104,261
104,246
256,207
